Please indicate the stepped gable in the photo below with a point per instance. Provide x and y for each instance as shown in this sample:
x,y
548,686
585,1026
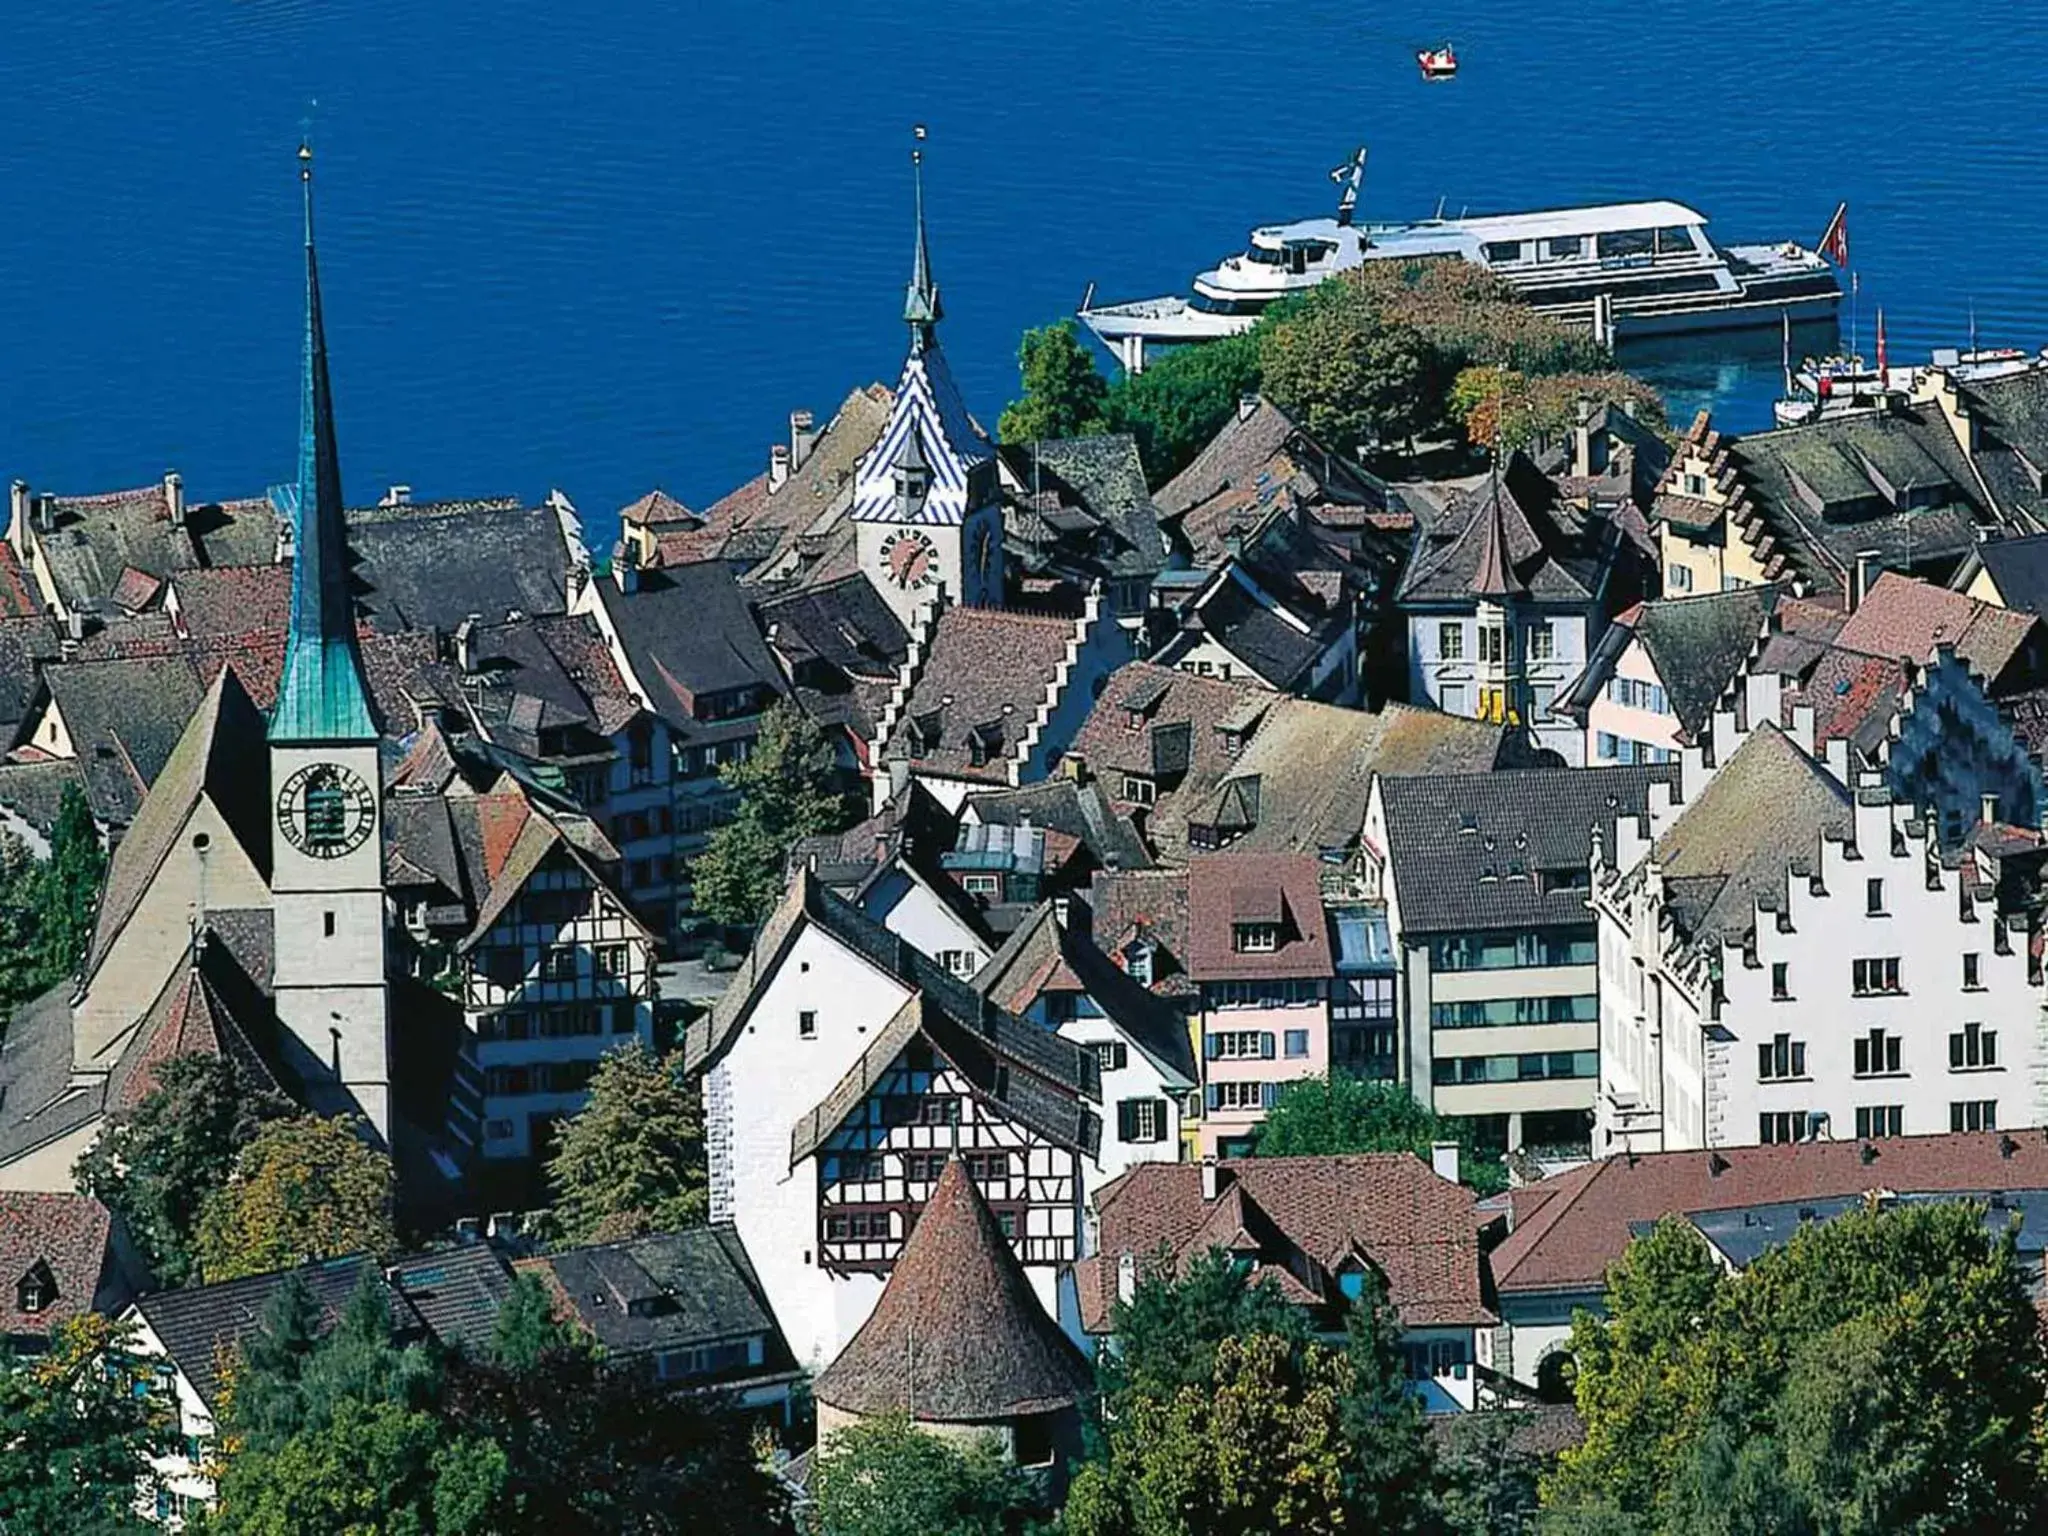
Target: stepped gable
x,y
958,1336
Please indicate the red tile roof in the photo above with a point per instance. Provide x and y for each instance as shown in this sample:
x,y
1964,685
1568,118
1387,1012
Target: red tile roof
x,y
19,598
1902,618
1225,889
1306,1214
985,674
69,1234
1568,1240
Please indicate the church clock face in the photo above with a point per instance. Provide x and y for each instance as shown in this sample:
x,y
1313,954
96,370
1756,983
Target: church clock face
x,y
910,559
326,811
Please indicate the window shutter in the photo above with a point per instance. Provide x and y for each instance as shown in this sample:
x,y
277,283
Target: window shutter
x,y
1266,1045
1269,1093
1126,1120
1209,1097
1159,1120
1210,1050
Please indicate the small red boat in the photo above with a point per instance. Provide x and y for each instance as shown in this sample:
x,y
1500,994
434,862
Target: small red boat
x,y
1438,63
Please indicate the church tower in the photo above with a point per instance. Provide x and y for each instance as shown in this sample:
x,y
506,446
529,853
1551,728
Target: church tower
x,y
327,864
927,513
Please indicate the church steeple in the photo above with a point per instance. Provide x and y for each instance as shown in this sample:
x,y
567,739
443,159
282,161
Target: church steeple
x,y
921,309
321,697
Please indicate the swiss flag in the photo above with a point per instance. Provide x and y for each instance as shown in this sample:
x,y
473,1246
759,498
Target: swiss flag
x,y
1834,242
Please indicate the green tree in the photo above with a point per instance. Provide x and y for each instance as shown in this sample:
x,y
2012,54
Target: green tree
x,y
303,1189
1169,1331
591,1447
1064,395
1347,372
69,886
788,789
1881,1372
1391,1479
1181,399
1489,1476
1260,1448
1341,1114
77,1428
527,1331
156,1162
886,1477
632,1159
372,1467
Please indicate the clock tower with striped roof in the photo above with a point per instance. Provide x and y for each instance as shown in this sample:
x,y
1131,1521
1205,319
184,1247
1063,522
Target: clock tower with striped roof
x,y
928,516
327,847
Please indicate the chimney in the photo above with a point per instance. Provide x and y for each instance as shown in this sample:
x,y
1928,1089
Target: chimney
x,y
1212,1184
1126,1277
17,517
43,512
74,625
1247,405
803,437
626,566
1443,1157
174,497
1586,461
1062,909
778,466
1233,544
465,642
1859,580
1988,808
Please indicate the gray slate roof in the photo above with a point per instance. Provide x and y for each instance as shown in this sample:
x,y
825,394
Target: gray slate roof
x,y
1556,552
431,564
2019,567
1084,510
1081,811
1469,852
687,631
669,1291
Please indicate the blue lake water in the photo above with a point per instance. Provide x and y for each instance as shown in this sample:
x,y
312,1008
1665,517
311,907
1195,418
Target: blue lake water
x,y
608,247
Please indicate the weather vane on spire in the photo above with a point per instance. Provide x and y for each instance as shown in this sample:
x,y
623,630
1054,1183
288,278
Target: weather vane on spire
x,y
921,301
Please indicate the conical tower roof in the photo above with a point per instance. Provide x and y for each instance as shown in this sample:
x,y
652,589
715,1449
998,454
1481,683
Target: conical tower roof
x,y
1495,576
958,1336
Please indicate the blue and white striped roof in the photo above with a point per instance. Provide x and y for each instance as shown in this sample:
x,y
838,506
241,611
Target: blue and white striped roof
x,y
927,403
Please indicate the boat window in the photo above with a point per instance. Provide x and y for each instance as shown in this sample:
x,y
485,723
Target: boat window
x,y
1266,258
1676,240
1211,306
1498,251
1564,247
1319,250
1626,242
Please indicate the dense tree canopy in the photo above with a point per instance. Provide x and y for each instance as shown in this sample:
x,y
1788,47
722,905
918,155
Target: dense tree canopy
x,y
1337,1114
788,789
351,1433
47,905
1882,1372
302,1189
1526,409
77,1427
1064,395
632,1159
886,1477
156,1162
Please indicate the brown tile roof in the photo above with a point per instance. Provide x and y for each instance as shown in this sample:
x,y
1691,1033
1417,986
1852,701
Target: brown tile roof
x,y
1901,618
984,676
658,509
19,597
232,599
67,1234
1225,889
1415,1227
1569,1240
1152,903
958,1336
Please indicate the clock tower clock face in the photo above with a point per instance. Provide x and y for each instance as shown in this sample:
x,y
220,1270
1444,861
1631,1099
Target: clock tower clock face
x,y
910,560
326,811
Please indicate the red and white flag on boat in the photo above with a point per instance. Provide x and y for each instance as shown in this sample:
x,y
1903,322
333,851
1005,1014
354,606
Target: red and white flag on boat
x,y
1834,241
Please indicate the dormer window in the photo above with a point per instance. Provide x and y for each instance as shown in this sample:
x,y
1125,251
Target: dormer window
x,y
913,477
36,1290
1138,963
1255,938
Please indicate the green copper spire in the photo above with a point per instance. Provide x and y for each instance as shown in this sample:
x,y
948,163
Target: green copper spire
x,y
921,299
321,697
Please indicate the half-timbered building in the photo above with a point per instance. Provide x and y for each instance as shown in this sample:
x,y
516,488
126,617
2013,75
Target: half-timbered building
x,y
514,905
841,1069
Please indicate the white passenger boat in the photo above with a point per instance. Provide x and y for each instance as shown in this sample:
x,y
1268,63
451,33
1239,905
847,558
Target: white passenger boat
x,y
1621,269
